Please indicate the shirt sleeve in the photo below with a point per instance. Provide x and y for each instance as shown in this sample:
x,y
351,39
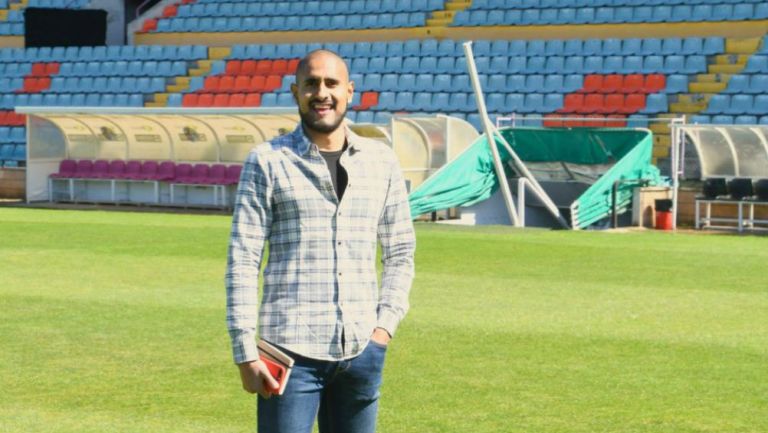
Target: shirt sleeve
x,y
398,244
251,223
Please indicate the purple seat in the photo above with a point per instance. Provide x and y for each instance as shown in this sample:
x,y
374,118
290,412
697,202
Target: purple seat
x,y
199,174
166,171
233,174
100,170
132,170
116,169
84,168
183,172
149,170
67,170
217,175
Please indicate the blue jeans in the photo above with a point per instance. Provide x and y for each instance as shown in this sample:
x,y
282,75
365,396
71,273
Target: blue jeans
x,y
342,395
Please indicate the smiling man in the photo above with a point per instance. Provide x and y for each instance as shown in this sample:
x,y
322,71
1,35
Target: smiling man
x,y
323,198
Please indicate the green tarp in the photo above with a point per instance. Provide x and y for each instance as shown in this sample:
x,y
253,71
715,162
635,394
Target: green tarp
x,y
470,178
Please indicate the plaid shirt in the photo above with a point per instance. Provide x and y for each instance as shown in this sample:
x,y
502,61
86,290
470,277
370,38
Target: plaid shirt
x,y
320,281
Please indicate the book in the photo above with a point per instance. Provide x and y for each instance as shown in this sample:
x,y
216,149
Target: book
x,y
278,363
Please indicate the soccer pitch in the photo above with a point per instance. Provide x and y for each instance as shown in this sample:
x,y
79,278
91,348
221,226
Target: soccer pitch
x,y
114,322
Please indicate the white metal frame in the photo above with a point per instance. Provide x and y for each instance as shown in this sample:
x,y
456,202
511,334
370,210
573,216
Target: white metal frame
x,y
741,221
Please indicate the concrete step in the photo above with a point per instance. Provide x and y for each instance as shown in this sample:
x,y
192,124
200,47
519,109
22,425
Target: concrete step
x,y
659,128
443,14
660,151
688,108
687,98
725,69
706,87
457,5
438,22
218,53
155,104
742,46
176,88
161,98
712,78
731,59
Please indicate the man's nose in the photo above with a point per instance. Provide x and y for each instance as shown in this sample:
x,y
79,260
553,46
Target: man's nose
x,y
322,91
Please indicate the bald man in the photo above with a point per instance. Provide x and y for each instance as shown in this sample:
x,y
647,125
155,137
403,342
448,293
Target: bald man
x,y
324,198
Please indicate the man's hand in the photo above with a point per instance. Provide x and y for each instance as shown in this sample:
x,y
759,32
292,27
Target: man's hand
x,y
256,378
381,336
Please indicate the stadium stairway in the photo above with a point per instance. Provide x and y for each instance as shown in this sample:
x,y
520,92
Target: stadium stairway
x,y
445,17
702,87
199,68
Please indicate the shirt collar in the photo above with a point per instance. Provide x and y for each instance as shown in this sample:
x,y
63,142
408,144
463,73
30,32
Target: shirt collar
x,y
302,145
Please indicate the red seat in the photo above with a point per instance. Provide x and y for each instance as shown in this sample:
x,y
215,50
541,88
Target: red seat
x,y
100,170
217,175
237,100
149,25
253,100
221,100
592,84
616,121
633,103
227,84
593,103
233,67
553,121
182,172
30,85
273,82
258,84
233,174
292,65
132,170
149,170
614,103
166,171
612,83
116,169
568,123
83,169
242,84
38,70
280,67
170,11
16,119
189,100
43,83
205,100
572,103
211,84
52,68
264,67
654,83
198,175
594,121
368,100
248,67
632,84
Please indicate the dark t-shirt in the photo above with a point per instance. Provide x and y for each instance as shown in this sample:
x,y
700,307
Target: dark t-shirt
x,y
338,174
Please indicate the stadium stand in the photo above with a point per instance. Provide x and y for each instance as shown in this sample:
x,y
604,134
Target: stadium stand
x,y
12,12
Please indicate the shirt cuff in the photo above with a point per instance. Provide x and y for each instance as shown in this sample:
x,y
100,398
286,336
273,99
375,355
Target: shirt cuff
x,y
244,348
388,320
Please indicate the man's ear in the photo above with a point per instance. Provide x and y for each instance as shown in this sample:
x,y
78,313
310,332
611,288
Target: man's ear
x,y
350,92
295,92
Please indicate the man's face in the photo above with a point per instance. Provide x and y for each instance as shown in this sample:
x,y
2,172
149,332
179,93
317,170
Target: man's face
x,y
322,92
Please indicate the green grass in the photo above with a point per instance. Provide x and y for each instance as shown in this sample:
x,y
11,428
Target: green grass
x,y
115,322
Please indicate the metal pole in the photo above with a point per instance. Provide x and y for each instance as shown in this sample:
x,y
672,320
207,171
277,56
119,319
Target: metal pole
x,y
488,128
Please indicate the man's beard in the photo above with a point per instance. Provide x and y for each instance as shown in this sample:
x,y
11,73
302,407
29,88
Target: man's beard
x,y
318,125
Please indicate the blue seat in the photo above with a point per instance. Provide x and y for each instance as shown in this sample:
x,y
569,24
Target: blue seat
x,y
514,103
672,46
758,84
704,12
592,47
700,119
565,15
269,100
389,82
611,47
404,101
745,119
495,102
760,104
536,65
552,102
554,47
573,65
536,48
445,65
761,11
677,83
757,64
573,47
460,83
424,82
656,103
693,45
653,64
651,46
530,17
441,83
534,103
20,152
500,48
613,64
584,16
427,64
718,104
411,65
593,64
548,16
740,104
174,100
673,65
641,14
408,82
392,64
681,13
721,119
386,101
553,84
695,64
738,84
743,11
604,15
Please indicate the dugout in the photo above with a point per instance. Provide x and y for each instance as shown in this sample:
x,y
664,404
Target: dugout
x,y
585,171
195,137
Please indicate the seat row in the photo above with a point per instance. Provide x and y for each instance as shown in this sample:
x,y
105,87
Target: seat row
x,y
261,67
11,29
737,104
104,53
158,171
756,64
535,65
106,85
11,118
724,119
315,8
528,4
613,15
741,83
12,152
737,188
238,84
13,134
133,68
10,101
610,104
286,23
451,48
